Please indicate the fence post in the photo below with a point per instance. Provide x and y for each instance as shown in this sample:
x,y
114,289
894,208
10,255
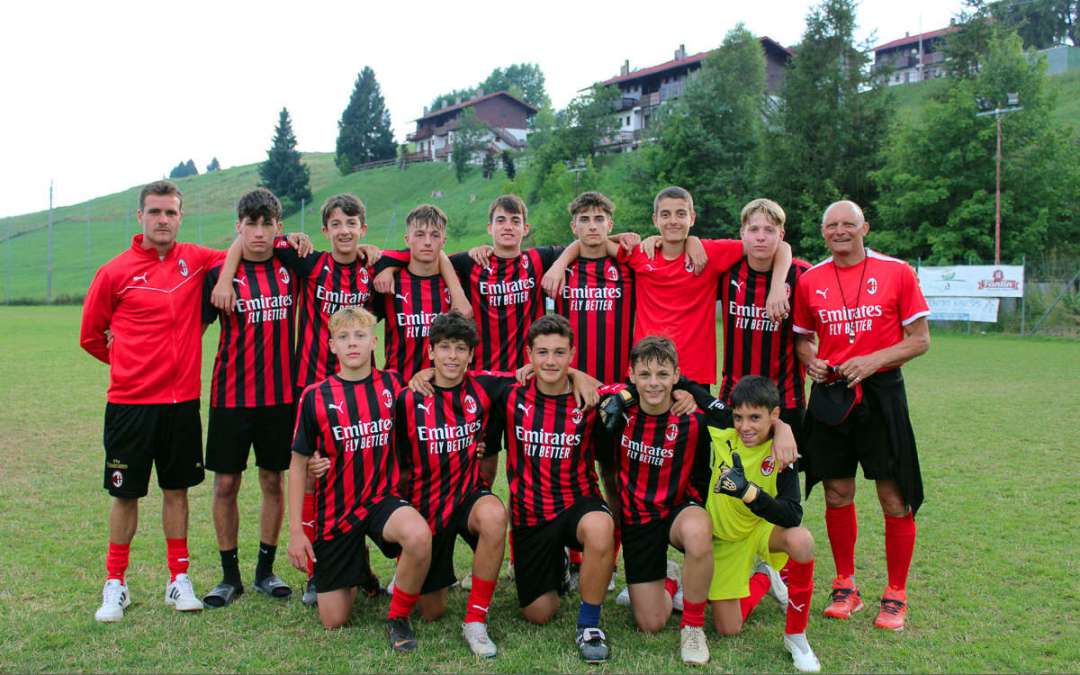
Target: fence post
x,y
1023,297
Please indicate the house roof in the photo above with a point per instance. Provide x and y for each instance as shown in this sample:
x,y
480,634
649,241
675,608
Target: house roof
x,y
473,101
914,39
685,61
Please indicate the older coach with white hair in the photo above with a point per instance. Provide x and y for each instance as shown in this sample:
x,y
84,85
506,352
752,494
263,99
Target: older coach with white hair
x,y
869,317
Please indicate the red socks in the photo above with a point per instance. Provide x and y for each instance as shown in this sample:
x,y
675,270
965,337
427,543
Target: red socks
x,y
401,603
843,531
759,586
800,589
479,599
575,557
899,547
177,554
672,587
116,561
693,614
307,520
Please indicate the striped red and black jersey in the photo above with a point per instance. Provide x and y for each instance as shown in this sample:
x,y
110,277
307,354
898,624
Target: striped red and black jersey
x,y
550,454
352,425
438,439
754,345
253,367
408,313
325,286
660,462
506,298
598,299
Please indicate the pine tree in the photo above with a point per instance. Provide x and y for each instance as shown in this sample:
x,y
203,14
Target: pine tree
x,y
213,166
489,164
364,133
282,172
508,165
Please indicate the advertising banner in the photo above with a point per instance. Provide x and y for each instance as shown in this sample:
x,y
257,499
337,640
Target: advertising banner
x,y
973,281
963,309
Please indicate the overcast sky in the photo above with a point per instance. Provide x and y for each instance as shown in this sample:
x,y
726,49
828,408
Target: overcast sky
x,y
100,96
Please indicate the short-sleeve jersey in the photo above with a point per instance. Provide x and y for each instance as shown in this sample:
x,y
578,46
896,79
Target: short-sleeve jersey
x,y
754,345
506,298
674,302
860,309
352,425
253,367
598,300
408,313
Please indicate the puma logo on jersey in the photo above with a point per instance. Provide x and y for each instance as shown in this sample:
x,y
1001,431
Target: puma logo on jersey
x,y
138,277
737,284
404,297
241,281
339,407
527,409
823,292
425,408
326,268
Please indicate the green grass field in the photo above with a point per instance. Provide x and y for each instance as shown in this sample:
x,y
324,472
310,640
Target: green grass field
x,y
992,589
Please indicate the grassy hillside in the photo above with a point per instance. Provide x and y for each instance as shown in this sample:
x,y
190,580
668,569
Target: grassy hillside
x,y
88,234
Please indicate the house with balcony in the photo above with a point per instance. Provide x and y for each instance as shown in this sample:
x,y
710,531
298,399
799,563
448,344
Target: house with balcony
x,y
913,58
506,115
644,90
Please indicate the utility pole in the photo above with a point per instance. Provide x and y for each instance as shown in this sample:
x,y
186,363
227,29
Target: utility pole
x,y
998,112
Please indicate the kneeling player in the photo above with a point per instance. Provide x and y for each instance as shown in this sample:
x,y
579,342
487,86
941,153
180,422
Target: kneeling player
x,y
349,419
756,513
439,447
659,463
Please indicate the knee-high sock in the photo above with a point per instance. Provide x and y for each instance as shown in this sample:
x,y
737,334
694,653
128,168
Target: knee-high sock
x,y
176,553
479,599
800,589
899,547
759,586
116,561
843,531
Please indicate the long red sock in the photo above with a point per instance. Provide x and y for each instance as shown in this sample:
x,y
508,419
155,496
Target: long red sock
x,y
575,557
693,614
899,547
672,587
307,520
759,586
116,561
800,588
177,554
401,603
479,599
843,530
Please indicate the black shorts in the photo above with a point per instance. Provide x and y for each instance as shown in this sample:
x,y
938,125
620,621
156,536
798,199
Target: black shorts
x,y
165,435
645,547
340,562
876,434
441,573
539,555
232,432
794,417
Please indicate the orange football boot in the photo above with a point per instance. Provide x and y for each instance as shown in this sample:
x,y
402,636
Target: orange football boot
x,y
844,599
893,609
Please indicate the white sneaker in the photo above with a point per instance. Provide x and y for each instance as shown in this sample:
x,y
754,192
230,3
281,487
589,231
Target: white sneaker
x,y
695,648
777,587
181,595
466,582
114,600
675,572
476,635
623,598
801,655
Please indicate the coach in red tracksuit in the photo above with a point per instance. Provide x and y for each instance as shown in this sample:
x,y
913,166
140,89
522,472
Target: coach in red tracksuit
x,y
142,317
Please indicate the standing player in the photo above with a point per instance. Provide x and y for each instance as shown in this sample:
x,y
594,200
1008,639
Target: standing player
x,y
869,316
659,462
554,495
420,293
754,344
755,511
440,451
349,419
251,395
141,317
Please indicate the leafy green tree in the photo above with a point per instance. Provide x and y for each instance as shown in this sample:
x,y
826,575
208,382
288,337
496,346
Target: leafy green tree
x,y
469,137
828,130
184,169
364,131
938,183
508,165
524,80
213,166
1039,23
283,173
490,164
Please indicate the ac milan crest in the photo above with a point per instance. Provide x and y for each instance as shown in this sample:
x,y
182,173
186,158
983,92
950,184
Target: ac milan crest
x,y
767,466
672,432
387,398
470,404
117,478
183,267
576,415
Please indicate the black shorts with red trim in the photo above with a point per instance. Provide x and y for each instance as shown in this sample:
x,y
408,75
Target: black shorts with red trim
x,y
539,551
441,573
341,562
167,436
645,546
233,432
877,434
